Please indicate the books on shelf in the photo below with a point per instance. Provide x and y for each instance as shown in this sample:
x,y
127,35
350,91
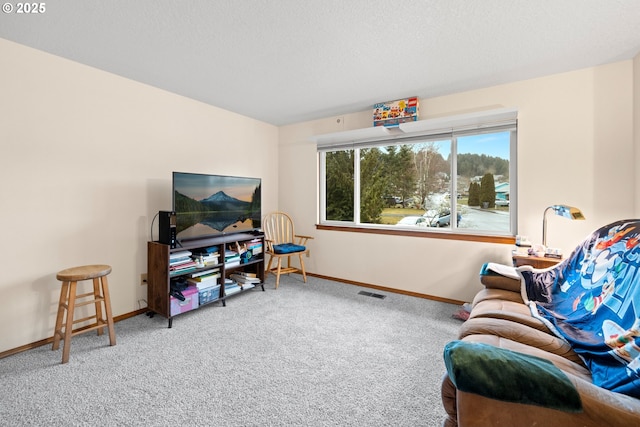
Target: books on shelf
x,y
207,280
181,262
205,272
190,265
231,259
255,246
203,285
208,255
182,270
179,256
231,287
241,279
246,286
210,259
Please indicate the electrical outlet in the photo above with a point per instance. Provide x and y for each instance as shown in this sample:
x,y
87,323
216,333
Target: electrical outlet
x,y
143,279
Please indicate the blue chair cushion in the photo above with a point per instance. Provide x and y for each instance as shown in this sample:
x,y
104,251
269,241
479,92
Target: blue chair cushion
x,y
288,248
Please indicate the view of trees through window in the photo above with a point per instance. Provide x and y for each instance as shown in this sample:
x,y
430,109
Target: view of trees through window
x,y
412,185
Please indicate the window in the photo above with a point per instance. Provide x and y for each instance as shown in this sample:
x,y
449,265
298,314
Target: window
x,y
460,181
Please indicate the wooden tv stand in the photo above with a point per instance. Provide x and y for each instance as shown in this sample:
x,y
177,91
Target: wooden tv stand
x,y
159,274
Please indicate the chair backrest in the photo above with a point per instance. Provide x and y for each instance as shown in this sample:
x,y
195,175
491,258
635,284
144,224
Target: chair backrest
x,y
278,228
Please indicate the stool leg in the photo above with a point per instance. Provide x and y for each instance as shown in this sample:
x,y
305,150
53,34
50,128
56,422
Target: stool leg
x,y
98,304
68,329
57,332
107,309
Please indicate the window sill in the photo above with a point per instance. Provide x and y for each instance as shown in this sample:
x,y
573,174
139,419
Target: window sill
x,y
507,240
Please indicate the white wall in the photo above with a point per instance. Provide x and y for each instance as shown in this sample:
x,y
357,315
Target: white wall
x,y
86,163
636,128
87,158
575,146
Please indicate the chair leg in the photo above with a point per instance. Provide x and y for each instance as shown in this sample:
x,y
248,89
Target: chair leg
x,y
304,273
269,264
278,272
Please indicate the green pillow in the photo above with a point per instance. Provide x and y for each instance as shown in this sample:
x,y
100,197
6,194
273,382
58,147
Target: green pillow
x,y
503,374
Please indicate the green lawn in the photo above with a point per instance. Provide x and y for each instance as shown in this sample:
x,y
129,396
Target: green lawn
x,y
391,216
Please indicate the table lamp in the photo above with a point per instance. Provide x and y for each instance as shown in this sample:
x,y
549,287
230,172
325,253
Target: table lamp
x,y
561,210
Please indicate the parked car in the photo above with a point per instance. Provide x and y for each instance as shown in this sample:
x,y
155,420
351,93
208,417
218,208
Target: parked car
x,y
420,221
393,201
440,218
502,202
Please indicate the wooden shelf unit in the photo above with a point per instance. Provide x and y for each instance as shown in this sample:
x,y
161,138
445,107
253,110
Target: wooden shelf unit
x,y
159,275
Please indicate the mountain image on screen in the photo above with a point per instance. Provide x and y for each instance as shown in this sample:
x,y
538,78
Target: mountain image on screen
x,y
219,212
221,201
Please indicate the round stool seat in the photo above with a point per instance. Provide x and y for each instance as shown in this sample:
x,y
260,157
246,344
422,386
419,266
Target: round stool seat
x,y
85,272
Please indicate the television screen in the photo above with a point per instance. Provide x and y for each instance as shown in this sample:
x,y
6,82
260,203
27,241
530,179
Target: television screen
x,y
206,205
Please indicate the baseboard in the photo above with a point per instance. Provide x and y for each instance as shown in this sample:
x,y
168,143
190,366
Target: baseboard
x,y
49,340
386,289
320,276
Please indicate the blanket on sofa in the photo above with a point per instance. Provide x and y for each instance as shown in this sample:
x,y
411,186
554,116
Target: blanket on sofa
x,y
592,300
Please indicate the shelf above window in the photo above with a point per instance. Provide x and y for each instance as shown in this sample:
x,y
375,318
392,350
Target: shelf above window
x,y
356,135
458,122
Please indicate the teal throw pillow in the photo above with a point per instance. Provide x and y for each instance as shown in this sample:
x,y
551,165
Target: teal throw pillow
x,y
510,376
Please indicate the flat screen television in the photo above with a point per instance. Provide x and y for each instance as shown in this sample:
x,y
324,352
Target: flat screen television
x,y
209,205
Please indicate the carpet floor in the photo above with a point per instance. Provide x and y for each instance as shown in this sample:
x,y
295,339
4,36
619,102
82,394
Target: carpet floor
x,y
314,354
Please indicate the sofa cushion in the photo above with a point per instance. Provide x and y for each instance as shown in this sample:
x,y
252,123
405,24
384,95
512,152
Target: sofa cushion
x,y
568,366
510,376
520,333
486,294
508,310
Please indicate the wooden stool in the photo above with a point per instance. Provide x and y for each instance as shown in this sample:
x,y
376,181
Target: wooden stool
x,y
69,278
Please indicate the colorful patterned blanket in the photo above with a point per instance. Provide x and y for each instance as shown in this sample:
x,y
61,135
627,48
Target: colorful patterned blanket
x,y
592,300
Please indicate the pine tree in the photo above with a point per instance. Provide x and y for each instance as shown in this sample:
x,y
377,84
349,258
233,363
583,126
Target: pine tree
x,y
488,191
474,194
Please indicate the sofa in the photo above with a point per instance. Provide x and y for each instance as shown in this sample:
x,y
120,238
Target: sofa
x,y
552,347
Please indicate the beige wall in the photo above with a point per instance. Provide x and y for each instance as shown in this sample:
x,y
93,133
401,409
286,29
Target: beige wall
x,y
87,158
575,146
636,128
86,164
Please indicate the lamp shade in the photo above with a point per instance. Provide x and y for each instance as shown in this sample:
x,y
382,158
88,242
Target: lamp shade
x,y
564,211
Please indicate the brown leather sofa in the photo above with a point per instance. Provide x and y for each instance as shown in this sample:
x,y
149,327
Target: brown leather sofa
x,y
500,319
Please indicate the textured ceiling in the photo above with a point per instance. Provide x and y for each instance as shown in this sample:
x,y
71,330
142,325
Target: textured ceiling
x,y
286,61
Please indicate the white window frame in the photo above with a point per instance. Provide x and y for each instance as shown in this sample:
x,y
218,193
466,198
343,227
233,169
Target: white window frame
x,y
451,127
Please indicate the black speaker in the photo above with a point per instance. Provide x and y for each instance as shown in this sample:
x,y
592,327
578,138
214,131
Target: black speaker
x,y
167,228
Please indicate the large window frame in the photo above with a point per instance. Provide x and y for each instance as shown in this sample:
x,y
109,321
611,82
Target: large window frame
x,y
450,128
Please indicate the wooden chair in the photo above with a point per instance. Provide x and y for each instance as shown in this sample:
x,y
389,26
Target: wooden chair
x,y
282,242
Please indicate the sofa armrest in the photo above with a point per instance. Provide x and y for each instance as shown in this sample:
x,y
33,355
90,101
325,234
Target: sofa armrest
x,y
496,392
600,408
